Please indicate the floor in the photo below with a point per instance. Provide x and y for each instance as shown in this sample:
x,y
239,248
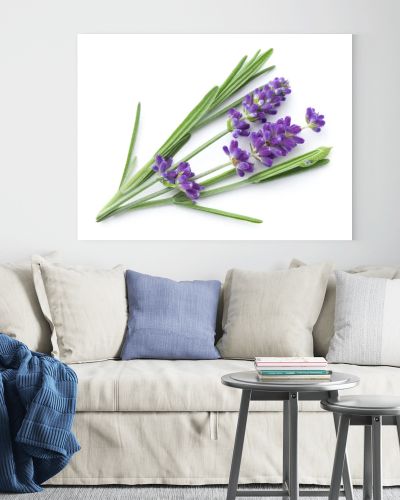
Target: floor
x,y
152,493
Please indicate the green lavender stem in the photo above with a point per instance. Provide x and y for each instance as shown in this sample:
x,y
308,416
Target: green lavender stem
x,y
193,206
140,201
124,195
129,161
210,171
314,158
304,161
175,138
204,145
222,213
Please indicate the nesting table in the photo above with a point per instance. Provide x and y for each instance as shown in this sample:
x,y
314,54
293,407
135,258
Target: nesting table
x,y
371,412
290,392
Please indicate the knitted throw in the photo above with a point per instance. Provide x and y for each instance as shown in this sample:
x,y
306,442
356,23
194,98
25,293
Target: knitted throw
x,y
37,407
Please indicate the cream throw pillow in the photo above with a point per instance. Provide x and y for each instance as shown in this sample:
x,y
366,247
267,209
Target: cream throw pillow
x,y
20,315
86,309
324,327
272,313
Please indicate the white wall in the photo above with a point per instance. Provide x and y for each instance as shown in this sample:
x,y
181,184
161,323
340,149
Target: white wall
x,y
38,127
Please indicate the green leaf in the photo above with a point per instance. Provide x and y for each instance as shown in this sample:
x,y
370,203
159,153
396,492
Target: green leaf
x,y
129,162
127,173
301,163
304,161
245,76
177,146
215,211
176,140
263,71
209,118
296,170
220,177
232,75
190,121
250,62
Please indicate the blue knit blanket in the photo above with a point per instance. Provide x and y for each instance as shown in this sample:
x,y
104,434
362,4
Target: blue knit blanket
x,y
37,407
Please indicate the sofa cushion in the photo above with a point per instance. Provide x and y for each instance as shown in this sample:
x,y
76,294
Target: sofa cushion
x,y
161,385
324,327
367,321
170,319
272,313
20,315
86,309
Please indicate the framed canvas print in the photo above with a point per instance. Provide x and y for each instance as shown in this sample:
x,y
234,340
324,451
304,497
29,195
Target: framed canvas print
x,y
207,137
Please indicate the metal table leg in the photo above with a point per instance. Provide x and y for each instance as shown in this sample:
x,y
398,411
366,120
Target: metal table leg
x,y
377,457
398,427
367,486
347,481
285,447
340,454
238,447
293,447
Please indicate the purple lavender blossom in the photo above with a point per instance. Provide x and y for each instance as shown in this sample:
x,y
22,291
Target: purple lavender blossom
x,y
264,100
180,177
190,188
275,139
185,181
239,158
163,167
314,120
237,125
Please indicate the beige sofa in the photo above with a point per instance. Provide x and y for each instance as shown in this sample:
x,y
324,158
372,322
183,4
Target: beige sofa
x,y
173,422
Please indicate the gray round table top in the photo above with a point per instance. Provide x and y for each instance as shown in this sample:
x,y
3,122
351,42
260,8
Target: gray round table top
x,y
249,380
364,405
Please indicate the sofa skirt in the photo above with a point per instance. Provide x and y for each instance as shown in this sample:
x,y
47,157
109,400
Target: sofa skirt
x,y
195,448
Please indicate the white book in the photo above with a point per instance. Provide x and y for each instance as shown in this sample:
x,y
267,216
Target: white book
x,y
290,361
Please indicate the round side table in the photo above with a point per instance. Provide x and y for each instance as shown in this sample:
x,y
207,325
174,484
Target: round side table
x,y
290,392
371,412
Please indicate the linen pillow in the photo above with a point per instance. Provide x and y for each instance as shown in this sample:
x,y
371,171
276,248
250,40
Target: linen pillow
x,y
367,321
86,309
20,314
272,313
324,327
170,319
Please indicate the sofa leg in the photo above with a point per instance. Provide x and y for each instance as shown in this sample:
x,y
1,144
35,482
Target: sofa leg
x,y
238,447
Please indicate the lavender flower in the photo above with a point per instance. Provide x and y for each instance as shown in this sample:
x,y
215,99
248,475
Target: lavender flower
x,y
163,167
237,125
264,100
275,139
185,181
314,120
179,177
239,158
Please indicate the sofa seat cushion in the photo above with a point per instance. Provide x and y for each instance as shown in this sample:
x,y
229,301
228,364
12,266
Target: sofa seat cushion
x,y
174,386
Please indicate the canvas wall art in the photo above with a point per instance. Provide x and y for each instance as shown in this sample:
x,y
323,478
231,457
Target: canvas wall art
x,y
206,137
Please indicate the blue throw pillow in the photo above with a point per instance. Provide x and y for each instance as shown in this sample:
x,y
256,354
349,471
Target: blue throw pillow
x,y
170,319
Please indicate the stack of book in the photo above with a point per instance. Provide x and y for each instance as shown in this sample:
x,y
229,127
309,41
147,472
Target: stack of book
x,y
292,368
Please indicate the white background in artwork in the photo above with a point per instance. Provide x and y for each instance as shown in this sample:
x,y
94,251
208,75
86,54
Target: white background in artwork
x,y
169,74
